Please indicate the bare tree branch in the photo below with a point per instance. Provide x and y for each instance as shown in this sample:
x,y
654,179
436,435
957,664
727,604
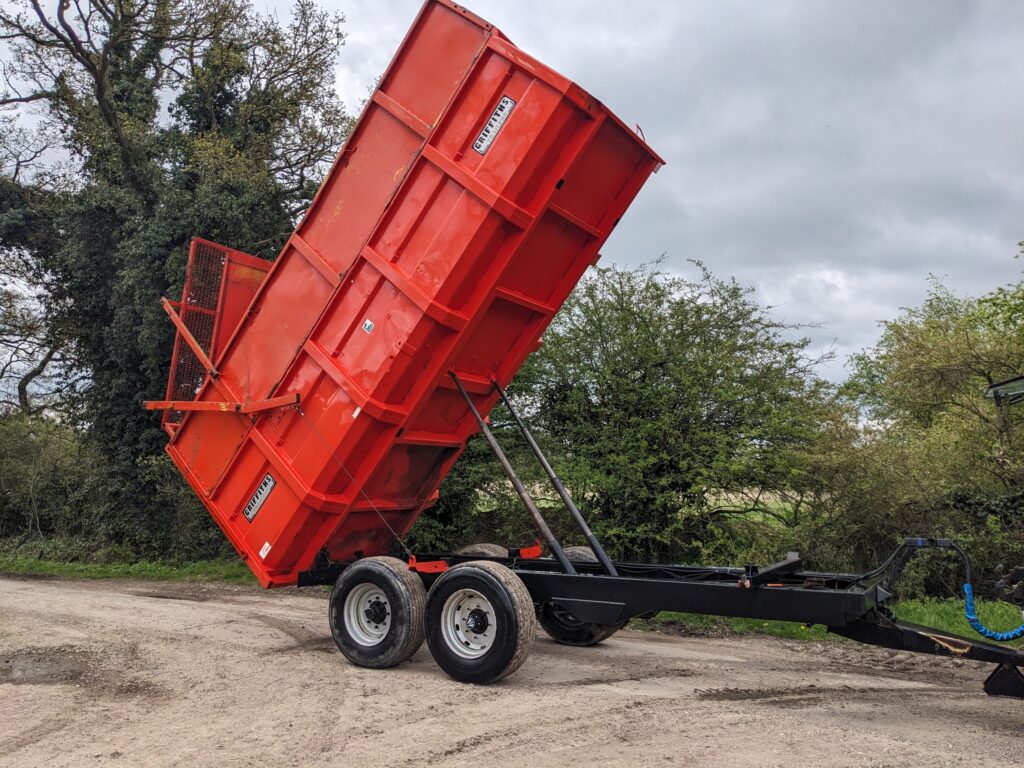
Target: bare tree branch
x,y
31,375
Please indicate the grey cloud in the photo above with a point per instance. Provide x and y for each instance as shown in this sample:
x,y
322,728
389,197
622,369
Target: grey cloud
x,y
832,155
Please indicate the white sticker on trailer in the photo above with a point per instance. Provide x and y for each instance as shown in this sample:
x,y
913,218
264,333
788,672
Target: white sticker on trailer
x,y
494,124
264,550
262,492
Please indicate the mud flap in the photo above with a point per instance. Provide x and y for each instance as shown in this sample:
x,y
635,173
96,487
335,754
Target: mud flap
x,y
1006,680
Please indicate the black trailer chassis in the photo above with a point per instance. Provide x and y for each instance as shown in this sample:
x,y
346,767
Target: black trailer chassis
x,y
605,593
847,604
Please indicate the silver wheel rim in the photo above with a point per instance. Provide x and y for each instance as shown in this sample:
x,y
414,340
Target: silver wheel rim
x,y
367,614
468,624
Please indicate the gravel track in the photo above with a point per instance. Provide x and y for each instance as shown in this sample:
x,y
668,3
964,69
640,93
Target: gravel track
x,y
136,673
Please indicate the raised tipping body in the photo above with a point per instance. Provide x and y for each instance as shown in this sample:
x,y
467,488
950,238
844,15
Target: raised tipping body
x,y
473,193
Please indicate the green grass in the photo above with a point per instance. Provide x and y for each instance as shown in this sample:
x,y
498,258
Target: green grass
x,y
230,571
948,616
720,626
943,615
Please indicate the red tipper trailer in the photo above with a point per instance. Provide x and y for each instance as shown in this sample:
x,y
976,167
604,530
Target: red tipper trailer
x,y
315,405
471,196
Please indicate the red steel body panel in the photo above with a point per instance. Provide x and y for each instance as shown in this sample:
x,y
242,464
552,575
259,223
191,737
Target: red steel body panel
x,y
219,285
473,193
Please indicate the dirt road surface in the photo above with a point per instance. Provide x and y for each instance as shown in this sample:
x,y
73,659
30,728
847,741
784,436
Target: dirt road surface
x,y
134,673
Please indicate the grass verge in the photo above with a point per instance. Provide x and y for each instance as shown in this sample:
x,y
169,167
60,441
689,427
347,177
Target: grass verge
x,y
948,616
229,571
943,615
698,625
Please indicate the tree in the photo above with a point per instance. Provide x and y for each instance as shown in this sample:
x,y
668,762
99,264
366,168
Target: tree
x,y
32,376
179,117
924,384
29,356
932,455
673,409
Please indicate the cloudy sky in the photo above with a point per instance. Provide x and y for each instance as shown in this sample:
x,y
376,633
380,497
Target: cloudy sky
x,y
831,154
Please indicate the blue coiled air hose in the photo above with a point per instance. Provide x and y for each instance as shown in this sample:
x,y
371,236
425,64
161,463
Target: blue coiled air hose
x,y
969,610
981,629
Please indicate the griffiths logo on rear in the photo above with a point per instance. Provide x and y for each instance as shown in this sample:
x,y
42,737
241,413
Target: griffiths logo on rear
x,y
497,119
264,489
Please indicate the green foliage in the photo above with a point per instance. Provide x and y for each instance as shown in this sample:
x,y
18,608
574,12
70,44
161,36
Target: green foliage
x,y
1003,309
669,408
934,457
55,499
48,482
179,118
674,403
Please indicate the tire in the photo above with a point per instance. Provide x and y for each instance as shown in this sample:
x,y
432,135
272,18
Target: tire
x,y
376,612
562,627
583,554
579,554
503,627
483,550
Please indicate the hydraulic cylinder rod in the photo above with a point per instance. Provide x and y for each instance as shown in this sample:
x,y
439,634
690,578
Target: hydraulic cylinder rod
x,y
549,536
588,534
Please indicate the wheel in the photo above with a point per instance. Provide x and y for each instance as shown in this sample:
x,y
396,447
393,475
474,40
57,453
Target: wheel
x,y
563,627
483,550
584,554
579,554
376,612
480,622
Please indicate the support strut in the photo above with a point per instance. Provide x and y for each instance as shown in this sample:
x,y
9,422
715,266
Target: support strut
x,y
549,536
595,545
186,334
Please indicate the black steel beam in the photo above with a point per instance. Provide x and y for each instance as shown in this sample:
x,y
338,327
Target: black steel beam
x,y
542,524
637,596
577,516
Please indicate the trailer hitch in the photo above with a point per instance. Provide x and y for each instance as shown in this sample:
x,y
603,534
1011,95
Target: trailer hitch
x,y
885,631
881,628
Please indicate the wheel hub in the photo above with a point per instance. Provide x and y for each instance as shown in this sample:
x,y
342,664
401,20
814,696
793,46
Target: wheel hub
x,y
367,614
477,622
468,624
376,613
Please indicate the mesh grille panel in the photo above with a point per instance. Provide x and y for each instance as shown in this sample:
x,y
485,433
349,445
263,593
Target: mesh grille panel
x,y
199,314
